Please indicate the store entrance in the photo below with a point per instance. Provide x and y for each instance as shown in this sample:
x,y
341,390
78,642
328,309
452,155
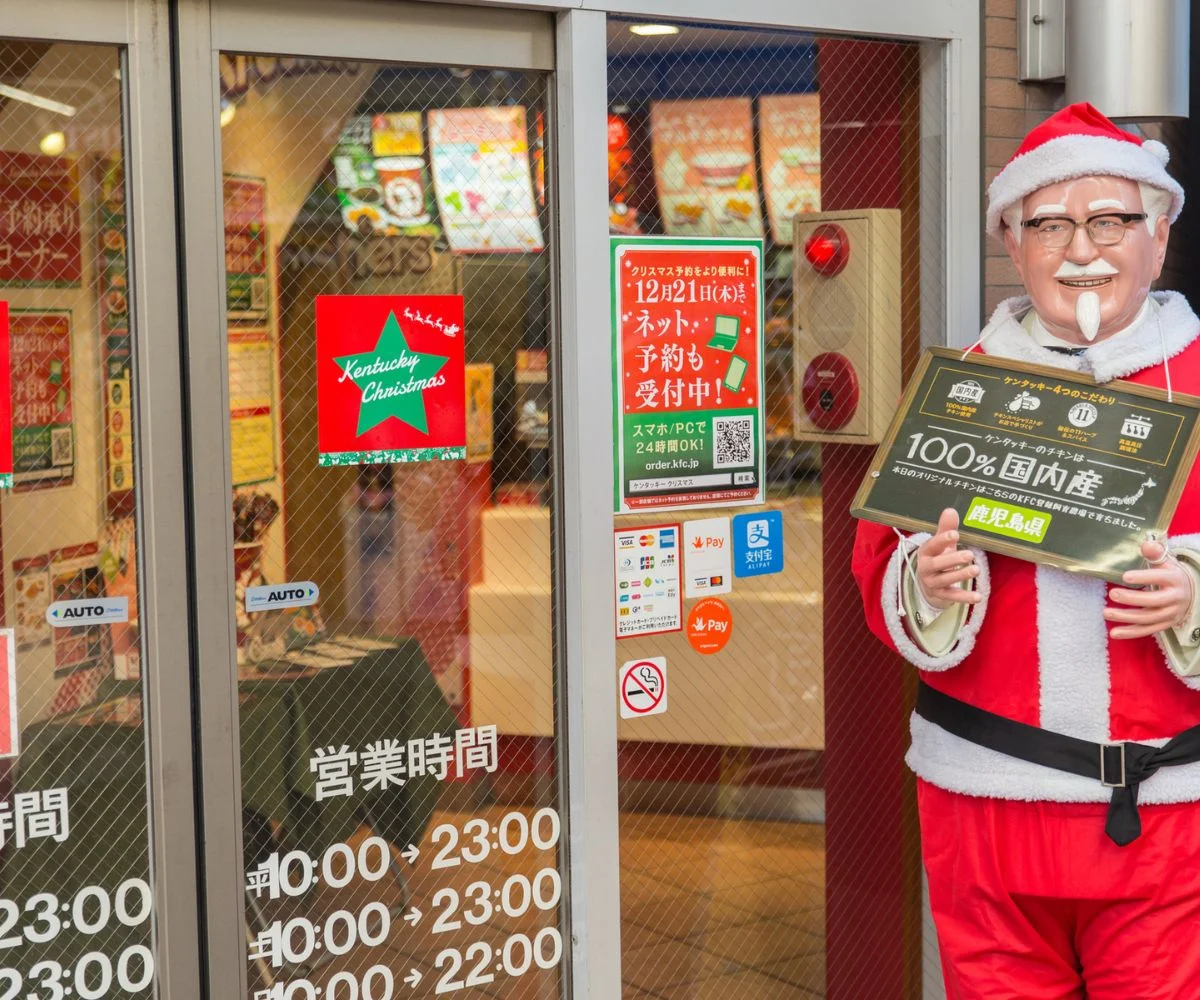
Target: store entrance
x,y
290,660
388,356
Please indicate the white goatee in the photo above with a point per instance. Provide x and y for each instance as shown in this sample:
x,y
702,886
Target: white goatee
x,y
1087,314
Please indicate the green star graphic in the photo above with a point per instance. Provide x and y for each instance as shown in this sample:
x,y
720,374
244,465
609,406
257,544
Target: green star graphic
x,y
408,367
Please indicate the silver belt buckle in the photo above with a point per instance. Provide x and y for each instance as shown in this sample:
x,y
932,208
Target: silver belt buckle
x,y
1104,770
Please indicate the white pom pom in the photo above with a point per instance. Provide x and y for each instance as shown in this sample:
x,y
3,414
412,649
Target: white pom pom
x,y
1157,150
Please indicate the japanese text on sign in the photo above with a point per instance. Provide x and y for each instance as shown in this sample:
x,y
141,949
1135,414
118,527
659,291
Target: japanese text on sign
x,y
688,355
391,763
1040,464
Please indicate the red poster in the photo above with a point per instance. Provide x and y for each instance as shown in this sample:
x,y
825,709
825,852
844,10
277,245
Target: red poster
x,y
10,728
39,221
6,436
43,416
391,379
688,357
245,247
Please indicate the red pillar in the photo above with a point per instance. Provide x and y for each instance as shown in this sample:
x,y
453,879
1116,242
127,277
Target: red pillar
x,y
872,900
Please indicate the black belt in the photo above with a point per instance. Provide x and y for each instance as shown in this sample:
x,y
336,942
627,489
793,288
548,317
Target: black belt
x,y
1119,766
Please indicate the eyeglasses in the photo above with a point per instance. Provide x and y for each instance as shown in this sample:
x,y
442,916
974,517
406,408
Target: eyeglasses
x,y
1056,232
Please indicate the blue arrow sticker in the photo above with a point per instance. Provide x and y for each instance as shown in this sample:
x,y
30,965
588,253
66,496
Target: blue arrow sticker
x,y
89,611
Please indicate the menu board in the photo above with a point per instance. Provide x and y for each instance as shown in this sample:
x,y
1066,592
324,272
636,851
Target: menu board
x,y
43,428
790,141
40,241
112,276
31,585
382,181
251,405
482,179
118,563
75,575
703,155
533,398
246,247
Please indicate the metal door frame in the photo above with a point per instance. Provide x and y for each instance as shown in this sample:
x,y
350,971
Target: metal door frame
x,y
370,31
141,29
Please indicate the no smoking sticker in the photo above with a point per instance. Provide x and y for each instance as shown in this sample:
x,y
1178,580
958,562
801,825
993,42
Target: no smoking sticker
x,y
643,687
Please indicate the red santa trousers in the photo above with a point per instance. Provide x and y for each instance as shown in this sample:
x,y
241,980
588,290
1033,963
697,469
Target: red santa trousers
x,y
1033,902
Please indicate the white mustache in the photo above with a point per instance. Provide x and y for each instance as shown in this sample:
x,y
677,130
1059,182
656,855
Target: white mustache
x,y
1099,268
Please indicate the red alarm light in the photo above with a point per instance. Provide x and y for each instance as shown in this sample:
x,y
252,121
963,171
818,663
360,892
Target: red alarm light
x,y
827,249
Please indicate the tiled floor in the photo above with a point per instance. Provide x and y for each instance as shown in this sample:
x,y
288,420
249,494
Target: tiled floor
x,y
721,909
711,910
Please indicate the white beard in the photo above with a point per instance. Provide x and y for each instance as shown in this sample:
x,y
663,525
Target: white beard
x,y
1087,314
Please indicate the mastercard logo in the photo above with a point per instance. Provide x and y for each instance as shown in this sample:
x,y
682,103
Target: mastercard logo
x,y
646,541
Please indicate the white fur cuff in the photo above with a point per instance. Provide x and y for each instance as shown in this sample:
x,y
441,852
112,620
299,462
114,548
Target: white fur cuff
x,y
1181,661
890,597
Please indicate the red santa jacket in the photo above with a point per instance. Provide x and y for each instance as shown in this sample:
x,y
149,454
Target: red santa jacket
x,y
1036,648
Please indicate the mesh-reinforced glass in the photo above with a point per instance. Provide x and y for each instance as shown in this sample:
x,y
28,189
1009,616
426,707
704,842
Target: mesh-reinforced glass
x,y
766,835
390,369
75,870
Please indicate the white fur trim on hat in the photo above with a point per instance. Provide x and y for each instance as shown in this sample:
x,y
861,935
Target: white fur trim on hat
x,y
1071,156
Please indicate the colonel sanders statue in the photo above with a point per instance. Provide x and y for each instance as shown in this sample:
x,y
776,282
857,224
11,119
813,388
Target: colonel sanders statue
x,y
1057,733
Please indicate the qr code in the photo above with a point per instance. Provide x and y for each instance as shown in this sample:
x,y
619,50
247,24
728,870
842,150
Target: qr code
x,y
62,446
733,442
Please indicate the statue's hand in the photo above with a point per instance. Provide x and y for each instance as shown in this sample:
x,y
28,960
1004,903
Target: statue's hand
x,y
942,566
1164,600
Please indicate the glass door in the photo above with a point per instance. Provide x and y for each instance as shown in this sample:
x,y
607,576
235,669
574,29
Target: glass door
x,y
97,863
377,384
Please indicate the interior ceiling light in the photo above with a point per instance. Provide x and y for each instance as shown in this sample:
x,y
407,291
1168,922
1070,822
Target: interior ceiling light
x,y
25,97
53,144
654,29
228,110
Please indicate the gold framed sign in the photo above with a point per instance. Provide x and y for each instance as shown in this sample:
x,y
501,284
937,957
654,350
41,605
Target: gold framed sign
x,y
1040,463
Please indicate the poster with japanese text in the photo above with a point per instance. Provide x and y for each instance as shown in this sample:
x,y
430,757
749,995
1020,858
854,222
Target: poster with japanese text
x,y
483,181
31,590
246,247
75,575
480,386
6,402
382,181
533,398
688,361
704,167
1041,463
119,436
118,563
40,242
252,405
10,727
42,415
391,381
790,143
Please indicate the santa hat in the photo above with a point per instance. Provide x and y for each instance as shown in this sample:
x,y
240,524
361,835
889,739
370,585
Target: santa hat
x,y
1079,141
